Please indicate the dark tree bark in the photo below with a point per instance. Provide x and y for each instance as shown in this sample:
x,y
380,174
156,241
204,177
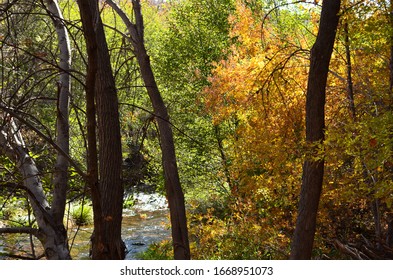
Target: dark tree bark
x,y
391,49
224,159
106,185
313,170
389,235
350,91
172,182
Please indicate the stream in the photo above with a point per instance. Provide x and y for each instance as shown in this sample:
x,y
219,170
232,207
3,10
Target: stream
x,y
146,223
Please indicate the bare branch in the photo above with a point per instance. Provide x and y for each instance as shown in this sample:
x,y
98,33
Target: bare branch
x,y
6,6
284,5
20,230
13,256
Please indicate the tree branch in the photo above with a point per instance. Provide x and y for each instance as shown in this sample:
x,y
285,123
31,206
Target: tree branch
x,y
283,5
20,230
12,256
32,196
50,141
132,28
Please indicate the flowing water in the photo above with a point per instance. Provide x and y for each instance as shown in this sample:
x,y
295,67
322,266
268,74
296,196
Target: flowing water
x,y
147,222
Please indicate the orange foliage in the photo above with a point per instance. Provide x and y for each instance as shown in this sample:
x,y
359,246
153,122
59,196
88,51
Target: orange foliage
x,y
260,89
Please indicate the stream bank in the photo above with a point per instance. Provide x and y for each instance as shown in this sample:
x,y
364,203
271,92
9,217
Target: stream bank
x,y
145,223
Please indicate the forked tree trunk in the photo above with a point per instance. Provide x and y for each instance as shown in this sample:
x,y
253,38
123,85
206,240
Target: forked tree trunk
x,y
52,235
172,182
107,193
60,181
313,170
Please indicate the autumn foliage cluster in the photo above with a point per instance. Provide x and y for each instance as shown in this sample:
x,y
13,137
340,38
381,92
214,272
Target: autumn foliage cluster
x,y
259,92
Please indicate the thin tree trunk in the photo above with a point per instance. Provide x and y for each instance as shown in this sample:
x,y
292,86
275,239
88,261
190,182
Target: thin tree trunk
x,y
389,234
172,182
368,177
313,170
390,19
224,160
107,193
375,209
64,87
350,93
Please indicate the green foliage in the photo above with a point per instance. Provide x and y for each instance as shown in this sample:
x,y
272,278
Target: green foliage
x,y
82,214
158,251
191,36
14,211
128,202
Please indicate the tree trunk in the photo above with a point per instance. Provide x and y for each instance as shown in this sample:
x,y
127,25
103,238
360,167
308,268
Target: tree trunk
x,y
350,92
107,193
389,234
224,159
172,182
52,235
64,87
313,169
390,19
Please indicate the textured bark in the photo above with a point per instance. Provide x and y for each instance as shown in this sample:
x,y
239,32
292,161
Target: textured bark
x,y
172,182
107,193
313,170
60,180
52,235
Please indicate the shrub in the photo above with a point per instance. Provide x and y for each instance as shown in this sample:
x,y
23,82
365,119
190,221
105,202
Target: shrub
x,y
82,214
158,251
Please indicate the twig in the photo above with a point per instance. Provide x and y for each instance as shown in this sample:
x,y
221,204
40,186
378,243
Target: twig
x,y
352,252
